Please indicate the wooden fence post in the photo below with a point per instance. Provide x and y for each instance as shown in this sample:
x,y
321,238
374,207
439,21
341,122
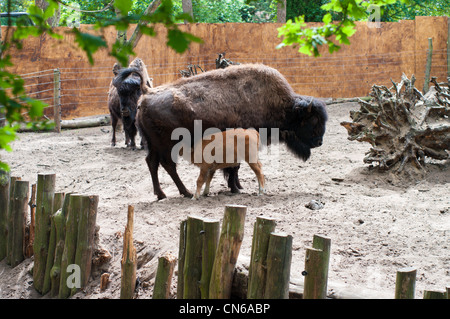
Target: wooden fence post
x,y
4,204
31,232
163,279
429,294
193,258
57,99
59,220
181,257
17,230
129,260
44,208
426,84
211,232
405,283
57,203
230,241
258,260
85,238
316,268
70,245
279,256
9,220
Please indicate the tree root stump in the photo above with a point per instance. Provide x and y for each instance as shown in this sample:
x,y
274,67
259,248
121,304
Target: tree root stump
x,y
403,125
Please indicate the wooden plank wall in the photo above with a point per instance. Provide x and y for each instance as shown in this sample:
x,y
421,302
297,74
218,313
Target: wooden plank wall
x,y
375,56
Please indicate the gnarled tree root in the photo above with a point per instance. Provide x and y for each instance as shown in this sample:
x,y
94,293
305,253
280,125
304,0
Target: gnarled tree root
x,y
403,125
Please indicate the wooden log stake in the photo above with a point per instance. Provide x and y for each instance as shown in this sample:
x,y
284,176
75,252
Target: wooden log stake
x,y
17,232
129,260
44,208
57,204
211,231
85,238
231,236
164,273
4,204
447,289
181,258
405,283
32,226
68,281
258,260
429,294
193,258
10,220
279,256
59,220
316,268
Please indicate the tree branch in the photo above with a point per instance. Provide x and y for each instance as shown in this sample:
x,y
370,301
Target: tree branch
x,y
137,33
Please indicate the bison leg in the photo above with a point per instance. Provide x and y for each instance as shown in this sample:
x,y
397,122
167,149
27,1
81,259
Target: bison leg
x,y
114,121
171,169
202,176
152,160
257,169
127,138
233,180
209,178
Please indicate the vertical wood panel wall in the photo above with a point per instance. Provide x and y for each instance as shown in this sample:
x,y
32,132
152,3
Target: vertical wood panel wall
x,y
375,56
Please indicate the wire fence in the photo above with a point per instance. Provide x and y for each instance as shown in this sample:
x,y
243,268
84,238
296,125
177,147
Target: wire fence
x,y
84,88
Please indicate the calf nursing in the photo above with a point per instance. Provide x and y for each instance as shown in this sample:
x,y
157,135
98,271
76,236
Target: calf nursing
x,y
226,149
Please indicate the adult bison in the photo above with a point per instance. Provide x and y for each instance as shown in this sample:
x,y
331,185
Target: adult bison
x,y
242,96
124,92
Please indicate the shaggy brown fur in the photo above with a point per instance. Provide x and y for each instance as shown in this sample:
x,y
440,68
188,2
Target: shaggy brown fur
x,y
244,144
246,96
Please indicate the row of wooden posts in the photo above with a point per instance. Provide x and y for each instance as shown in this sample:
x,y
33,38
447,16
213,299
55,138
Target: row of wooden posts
x,y
61,237
60,234
207,258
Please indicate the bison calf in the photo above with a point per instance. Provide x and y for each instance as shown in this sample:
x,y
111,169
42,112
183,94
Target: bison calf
x,y
226,149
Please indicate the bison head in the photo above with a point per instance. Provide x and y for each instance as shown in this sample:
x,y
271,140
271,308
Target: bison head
x,y
306,126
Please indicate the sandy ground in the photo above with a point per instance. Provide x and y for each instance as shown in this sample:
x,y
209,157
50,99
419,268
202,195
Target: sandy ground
x,y
377,223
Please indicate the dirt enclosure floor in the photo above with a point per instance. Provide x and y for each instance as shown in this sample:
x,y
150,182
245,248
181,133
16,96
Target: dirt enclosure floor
x,y
378,223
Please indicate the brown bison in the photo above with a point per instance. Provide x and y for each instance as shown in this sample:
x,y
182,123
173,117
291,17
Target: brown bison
x,y
241,96
123,95
228,149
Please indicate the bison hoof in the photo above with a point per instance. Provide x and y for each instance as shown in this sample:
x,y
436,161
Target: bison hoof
x,y
188,195
161,197
235,191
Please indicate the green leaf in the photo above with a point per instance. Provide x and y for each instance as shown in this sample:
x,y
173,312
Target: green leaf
x,y
89,43
50,10
124,6
327,18
179,40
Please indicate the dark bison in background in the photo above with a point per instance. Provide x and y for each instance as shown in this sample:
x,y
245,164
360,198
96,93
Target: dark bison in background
x,y
123,95
242,96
